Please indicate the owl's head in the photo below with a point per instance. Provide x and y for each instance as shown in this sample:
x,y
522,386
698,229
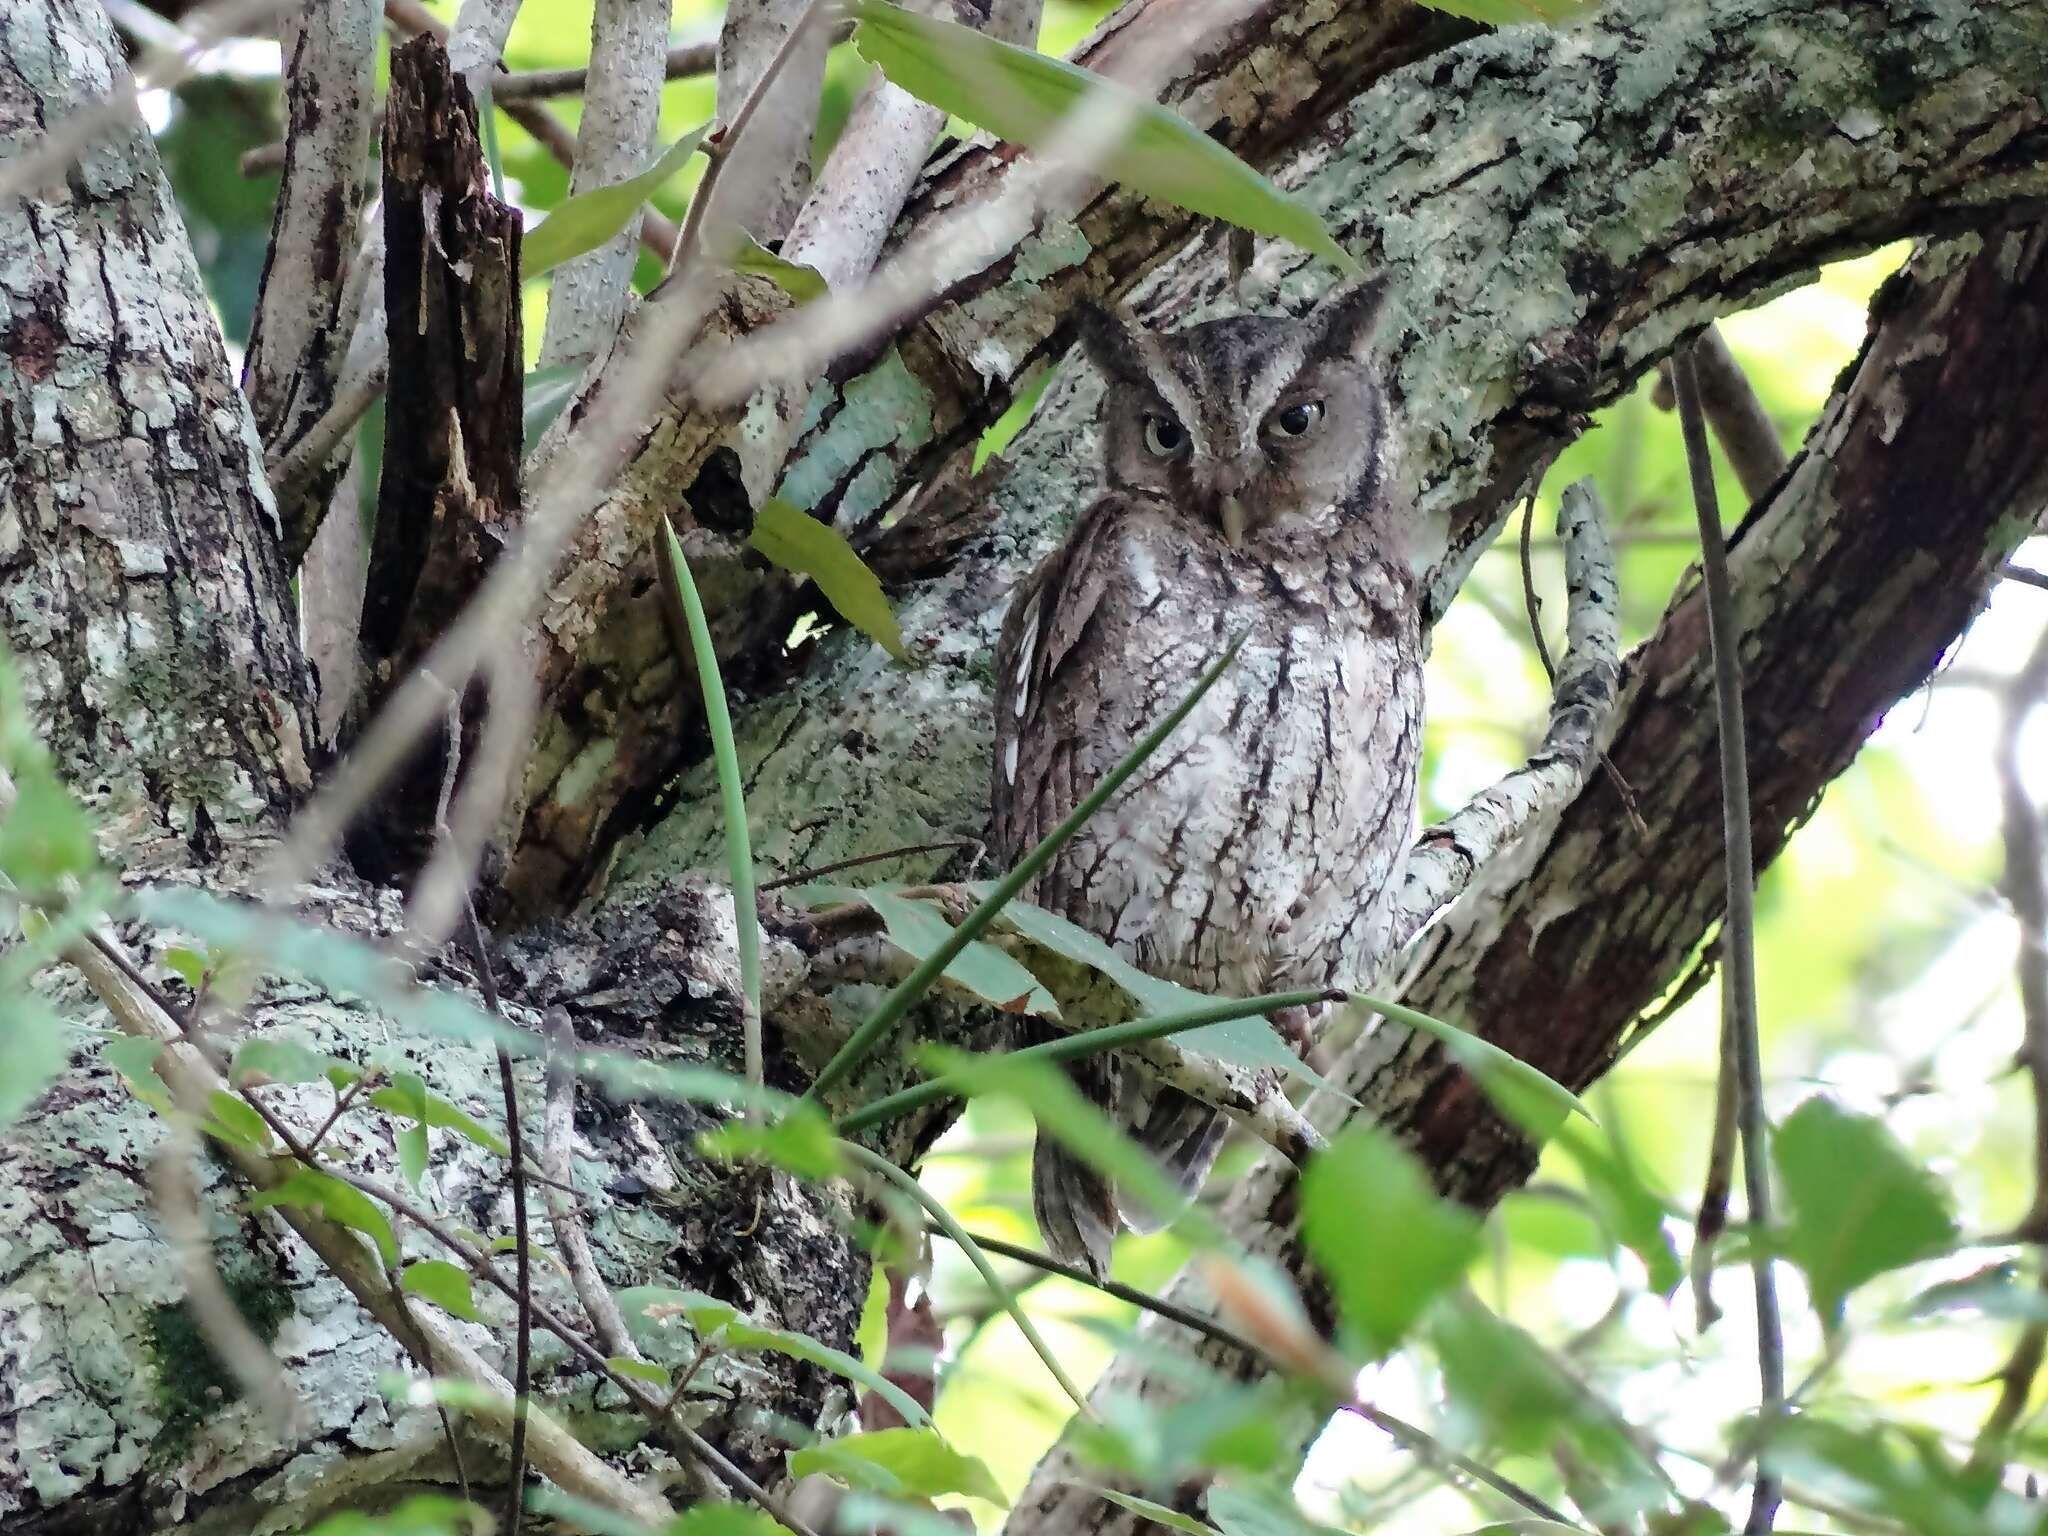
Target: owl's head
x,y
1259,428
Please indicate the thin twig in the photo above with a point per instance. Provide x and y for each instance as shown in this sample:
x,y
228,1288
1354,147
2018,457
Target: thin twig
x,y
2012,570
557,1131
944,845
1739,927
1741,425
1412,1438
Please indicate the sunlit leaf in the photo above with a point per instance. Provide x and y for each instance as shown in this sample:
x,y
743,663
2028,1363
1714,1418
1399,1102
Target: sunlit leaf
x,y
1158,1514
640,1370
1004,429
916,1462
234,1120
1534,1101
800,1142
446,1285
724,1520
324,1195
806,546
1997,1291
800,282
1389,1243
188,965
1509,13
425,1514
588,219
1857,1204
1027,98
412,1153
135,1059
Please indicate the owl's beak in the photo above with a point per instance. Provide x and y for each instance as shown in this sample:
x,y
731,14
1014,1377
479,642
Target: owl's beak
x,y
1231,513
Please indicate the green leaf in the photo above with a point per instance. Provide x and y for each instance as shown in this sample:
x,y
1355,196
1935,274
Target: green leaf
x,y
408,1096
235,1121
545,393
445,1285
188,965
1246,1042
1388,1242
1254,1511
871,1338
1995,1291
1509,13
1158,1514
1535,1102
412,1153
1027,98
1004,429
426,1514
724,1520
1630,1209
918,928
915,1462
135,1059
640,1370
581,1514
587,220
46,836
800,282
805,546
801,1142
280,1061
648,1311
324,1195
1857,1204
682,588
34,1048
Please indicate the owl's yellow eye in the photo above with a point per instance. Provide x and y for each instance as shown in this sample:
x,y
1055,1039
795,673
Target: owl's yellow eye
x,y
1164,436
1298,419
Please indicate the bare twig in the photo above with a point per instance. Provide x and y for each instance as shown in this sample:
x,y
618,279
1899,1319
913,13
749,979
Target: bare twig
x,y
2025,887
2012,570
1739,927
683,62
557,1133
1445,858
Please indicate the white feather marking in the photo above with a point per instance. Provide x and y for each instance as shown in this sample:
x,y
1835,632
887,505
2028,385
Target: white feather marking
x,y
1010,759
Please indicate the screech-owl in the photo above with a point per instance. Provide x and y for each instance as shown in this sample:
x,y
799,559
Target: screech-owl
x,y
1252,488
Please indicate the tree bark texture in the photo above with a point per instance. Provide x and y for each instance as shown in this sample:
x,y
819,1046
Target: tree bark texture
x,y
1556,209
147,606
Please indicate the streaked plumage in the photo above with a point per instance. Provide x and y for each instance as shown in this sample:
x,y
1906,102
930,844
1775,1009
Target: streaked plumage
x,y
1254,851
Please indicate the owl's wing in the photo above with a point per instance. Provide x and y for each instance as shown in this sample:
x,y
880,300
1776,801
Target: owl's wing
x,y
1041,718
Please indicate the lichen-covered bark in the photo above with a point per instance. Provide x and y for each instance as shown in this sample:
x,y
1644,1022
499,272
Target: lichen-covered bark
x,y
1850,582
1556,207
144,598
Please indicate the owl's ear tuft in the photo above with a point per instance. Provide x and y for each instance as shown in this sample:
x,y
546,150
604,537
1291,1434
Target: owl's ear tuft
x,y
1350,316
1113,341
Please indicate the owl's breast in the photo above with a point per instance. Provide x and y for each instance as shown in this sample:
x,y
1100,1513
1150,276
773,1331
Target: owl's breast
x,y
1255,848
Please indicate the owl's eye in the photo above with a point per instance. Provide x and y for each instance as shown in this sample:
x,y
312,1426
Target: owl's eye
x,y
1164,436
1298,419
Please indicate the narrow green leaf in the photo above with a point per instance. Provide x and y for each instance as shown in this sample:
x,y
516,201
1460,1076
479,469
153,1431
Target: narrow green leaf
x,y
806,546
731,793
964,1241
912,987
587,220
445,1285
1027,98
412,1153
324,1195
425,1514
1535,1102
1243,1038
544,394
1632,1211
34,1048
135,1059
1857,1204
408,1096
1388,1242
916,1462
724,1520
800,282
1509,13
640,1370
1158,1514
918,928
1004,429
241,1123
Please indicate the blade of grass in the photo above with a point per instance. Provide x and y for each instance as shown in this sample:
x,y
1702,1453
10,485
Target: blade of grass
x,y
961,1239
912,987
1083,1043
739,850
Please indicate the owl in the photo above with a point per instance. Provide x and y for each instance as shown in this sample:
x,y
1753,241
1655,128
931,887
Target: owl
x,y
1251,489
